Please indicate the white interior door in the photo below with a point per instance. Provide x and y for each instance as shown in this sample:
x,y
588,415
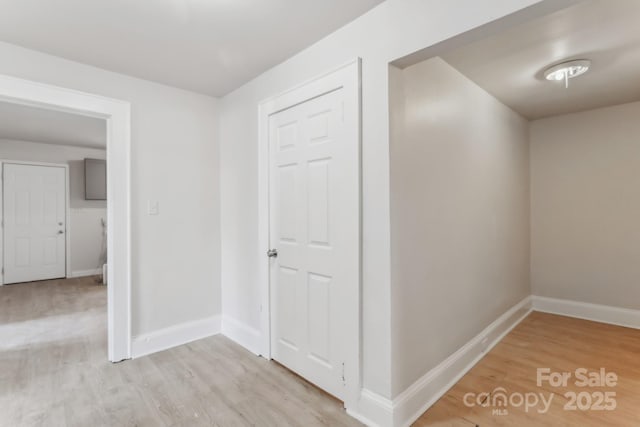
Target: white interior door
x,y
314,226
34,215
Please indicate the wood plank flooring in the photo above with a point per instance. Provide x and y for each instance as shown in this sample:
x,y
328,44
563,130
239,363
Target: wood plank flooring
x,y
561,344
54,372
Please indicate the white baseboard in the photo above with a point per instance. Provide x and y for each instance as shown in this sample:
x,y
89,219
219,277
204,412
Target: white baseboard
x,y
422,394
373,410
378,411
408,406
174,336
582,310
84,273
242,334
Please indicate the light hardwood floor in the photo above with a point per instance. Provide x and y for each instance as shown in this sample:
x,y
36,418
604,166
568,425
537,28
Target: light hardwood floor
x,y
54,372
546,341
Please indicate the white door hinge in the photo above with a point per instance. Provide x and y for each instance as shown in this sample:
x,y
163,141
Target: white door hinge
x,y
344,382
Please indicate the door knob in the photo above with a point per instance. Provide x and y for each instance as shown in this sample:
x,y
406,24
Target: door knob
x,y
60,232
272,253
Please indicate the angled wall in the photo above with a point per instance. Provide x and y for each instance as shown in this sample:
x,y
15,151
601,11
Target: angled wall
x,y
459,215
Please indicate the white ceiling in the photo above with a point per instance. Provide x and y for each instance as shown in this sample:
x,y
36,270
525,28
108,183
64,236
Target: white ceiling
x,y
208,46
510,65
23,123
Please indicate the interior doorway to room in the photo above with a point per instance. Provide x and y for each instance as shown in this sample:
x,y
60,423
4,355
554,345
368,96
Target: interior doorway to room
x,y
65,232
54,198
53,235
311,150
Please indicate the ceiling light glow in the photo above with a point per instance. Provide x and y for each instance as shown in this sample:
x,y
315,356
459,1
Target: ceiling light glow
x,y
567,70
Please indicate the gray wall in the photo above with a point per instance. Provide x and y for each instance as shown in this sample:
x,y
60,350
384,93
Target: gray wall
x,y
71,155
459,214
585,200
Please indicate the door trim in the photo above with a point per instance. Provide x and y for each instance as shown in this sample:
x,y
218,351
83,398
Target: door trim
x,y
117,114
67,214
347,77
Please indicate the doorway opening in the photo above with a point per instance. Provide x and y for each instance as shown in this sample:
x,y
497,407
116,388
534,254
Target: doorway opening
x,y
66,203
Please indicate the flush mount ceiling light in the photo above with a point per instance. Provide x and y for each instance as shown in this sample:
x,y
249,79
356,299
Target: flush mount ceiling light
x,y
567,70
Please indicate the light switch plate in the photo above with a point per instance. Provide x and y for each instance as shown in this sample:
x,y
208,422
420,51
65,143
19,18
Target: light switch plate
x,y
153,208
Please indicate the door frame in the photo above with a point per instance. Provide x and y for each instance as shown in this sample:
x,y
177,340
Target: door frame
x,y
117,114
348,78
67,214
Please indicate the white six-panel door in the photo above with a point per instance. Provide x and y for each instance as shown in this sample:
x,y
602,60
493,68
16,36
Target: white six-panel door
x,y
313,171
34,216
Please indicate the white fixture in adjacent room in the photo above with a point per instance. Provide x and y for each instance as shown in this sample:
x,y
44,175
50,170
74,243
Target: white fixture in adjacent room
x,y
567,70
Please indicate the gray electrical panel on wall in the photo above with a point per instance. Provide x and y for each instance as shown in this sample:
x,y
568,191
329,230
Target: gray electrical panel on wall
x,y
95,179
